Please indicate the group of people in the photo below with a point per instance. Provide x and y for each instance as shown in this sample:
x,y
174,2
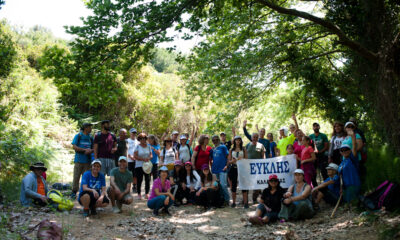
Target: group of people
x,y
203,175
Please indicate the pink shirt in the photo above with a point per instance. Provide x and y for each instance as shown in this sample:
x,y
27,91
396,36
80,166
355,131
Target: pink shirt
x,y
157,184
298,148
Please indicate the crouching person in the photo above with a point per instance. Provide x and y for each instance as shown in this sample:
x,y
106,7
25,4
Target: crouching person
x,y
161,196
92,193
270,203
34,188
120,185
297,202
329,190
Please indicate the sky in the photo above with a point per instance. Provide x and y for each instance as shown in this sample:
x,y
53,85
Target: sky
x,y
54,14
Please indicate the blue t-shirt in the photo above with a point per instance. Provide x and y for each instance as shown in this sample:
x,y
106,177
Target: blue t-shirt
x,y
266,144
85,141
154,160
349,142
349,172
220,157
334,188
272,147
92,182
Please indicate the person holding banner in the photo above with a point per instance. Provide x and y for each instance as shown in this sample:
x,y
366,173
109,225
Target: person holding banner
x,y
237,153
270,203
297,204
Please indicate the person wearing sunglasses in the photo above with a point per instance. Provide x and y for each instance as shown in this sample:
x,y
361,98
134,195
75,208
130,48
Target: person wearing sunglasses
x,y
270,203
348,172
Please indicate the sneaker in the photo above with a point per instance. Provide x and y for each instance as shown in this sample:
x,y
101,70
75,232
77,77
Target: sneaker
x,y
146,196
73,195
256,220
139,197
155,212
233,205
116,210
134,190
282,220
246,205
166,212
86,213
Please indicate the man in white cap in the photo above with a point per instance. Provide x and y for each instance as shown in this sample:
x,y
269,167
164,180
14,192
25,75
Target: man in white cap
x,y
132,143
330,189
174,137
185,153
120,185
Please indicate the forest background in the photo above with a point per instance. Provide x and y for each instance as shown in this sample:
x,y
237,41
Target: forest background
x,y
50,86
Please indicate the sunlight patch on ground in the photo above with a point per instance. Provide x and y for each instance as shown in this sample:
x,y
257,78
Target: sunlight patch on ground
x,y
189,220
208,229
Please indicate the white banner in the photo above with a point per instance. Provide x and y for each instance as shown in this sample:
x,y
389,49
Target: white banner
x,y
254,173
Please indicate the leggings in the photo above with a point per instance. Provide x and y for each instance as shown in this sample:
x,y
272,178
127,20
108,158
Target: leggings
x,y
208,198
139,176
233,176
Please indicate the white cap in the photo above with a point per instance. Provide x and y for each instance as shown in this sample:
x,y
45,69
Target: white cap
x,y
332,166
122,158
96,161
299,171
132,130
349,123
237,137
345,146
183,137
175,132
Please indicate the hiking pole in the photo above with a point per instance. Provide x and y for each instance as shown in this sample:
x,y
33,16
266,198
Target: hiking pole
x,y
337,205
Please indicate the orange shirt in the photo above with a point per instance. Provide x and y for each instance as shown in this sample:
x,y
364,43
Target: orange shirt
x,y
40,187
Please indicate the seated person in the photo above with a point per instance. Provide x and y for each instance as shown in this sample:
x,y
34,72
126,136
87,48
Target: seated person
x,y
177,180
161,196
120,185
34,187
92,193
270,203
208,195
297,204
192,183
329,190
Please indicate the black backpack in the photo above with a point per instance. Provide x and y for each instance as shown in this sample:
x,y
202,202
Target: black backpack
x,y
386,195
190,150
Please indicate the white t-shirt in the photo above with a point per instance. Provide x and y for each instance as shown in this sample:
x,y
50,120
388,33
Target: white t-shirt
x,y
169,155
143,153
196,183
131,147
184,153
336,142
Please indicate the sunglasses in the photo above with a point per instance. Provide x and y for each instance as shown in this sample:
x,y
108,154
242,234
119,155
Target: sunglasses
x,y
273,180
142,138
344,149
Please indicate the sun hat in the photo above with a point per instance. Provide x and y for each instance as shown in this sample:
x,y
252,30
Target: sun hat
x,y
147,167
122,158
205,166
299,171
133,130
178,162
332,166
96,161
38,165
183,137
164,168
349,123
273,176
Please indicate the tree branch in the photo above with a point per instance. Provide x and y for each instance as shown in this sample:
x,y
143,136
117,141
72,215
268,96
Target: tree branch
x,y
344,40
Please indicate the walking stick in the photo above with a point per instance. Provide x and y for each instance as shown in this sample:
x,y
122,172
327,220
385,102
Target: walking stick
x,y
340,198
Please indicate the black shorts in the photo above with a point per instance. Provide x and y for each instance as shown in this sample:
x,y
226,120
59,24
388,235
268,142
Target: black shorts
x,y
92,198
131,167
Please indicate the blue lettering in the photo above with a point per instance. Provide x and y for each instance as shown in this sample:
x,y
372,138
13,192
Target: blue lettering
x,y
252,168
259,165
266,167
280,167
286,166
273,167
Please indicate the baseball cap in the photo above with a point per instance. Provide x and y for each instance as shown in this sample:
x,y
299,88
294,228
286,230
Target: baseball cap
x,y
85,125
237,137
164,168
348,124
345,146
133,130
205,166
222,133
175,132
299,171
104,122
96,161
122,158
332,166
189,163
183,137
272,176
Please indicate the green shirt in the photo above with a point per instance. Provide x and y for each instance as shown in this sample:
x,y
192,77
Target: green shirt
x,y
255,151
121,178
319,141
282,144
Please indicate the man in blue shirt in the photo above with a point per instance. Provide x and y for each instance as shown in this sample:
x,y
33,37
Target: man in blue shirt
x,y
83,146
220,165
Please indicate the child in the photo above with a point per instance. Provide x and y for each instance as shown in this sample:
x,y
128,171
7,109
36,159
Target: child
x,y
330,189
289,149
349,173
307,160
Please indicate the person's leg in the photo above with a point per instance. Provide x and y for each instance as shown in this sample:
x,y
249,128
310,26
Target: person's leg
x,y
102,202
127,199
302,211
323,163
213,197
233,177
255,195
110,165
139,179
147,184
75,180
202,199
156,203
286,211
245,198
223,182
270,217
154,172
111,194
329,197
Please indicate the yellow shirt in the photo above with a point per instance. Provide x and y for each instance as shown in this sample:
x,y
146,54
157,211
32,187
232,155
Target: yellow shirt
x,y
282,144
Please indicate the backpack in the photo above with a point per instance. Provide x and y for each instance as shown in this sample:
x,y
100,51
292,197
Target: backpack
x,y
79,140
165,150
385,195
57,200
190,150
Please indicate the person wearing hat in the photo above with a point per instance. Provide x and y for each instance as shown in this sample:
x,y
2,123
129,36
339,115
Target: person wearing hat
x,y
237,153
330,189
208,195
285,139
143,154
352,136
177,180
349,173
132,143
34,187
168,155
174,136
105,145
192,183
219,165
228,143
120,185
297,203
92,193
270,202
161,196
184,151
83,146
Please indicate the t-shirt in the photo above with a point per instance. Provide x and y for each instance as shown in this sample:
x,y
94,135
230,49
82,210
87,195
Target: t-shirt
x,y
307,167
349,142
266,144
282,144
169,155
122,148
336,142
105,144
319,140
228,144
298,148
184,153
220,157
157,184
121,178
40,187
132,143
255,151
154,160
335,187
143,152
273,201
203,157
85,141
93,182
272,148
349,173
306,153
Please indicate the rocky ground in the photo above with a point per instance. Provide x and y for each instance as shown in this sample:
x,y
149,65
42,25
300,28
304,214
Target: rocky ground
x,y
190,222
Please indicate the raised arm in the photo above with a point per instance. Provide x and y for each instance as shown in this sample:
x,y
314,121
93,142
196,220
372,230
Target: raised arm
x,y
295,122
245,130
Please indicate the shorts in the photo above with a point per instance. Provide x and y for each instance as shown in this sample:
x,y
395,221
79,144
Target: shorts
x,y
126,197
92,198
272,216
107,164
131,167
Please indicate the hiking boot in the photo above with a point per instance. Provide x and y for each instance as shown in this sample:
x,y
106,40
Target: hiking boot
x,y
256,221
119,205
155,212
246,205
166,212
116,210
86,213
233,205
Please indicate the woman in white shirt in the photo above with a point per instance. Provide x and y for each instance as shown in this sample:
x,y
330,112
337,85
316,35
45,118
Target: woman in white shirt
x,y
192,184
142,154
168,155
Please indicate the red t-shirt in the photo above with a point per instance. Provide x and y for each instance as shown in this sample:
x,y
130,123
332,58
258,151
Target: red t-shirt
x,y
306,153
203,157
